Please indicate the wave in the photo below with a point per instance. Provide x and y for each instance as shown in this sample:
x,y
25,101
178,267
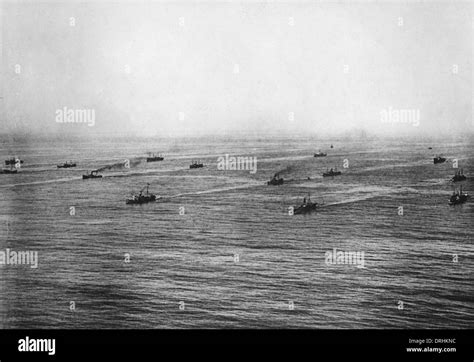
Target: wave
x,y
66,179
220,189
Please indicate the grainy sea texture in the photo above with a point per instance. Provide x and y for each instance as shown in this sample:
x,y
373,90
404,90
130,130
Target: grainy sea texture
x,y
281,258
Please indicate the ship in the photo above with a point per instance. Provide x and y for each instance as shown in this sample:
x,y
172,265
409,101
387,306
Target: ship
x,y
331,172
320,154
276,180
196,164
306,207
458,197
154,158
67,165
458,176
92,174
438,159
141,198
13,161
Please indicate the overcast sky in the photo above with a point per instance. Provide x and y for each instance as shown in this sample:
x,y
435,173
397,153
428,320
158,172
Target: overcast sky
x,y
163,68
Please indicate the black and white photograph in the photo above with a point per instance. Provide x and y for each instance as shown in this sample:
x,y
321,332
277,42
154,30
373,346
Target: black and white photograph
x,y
237,165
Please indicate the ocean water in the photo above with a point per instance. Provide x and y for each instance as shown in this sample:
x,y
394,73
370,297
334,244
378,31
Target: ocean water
x,y
234,257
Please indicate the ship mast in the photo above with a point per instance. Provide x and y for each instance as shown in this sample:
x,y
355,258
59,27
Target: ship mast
x,y
146,187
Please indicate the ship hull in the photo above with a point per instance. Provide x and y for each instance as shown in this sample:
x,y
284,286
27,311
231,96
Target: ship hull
x,y
85,177
459,201
141,200
304,209
275,182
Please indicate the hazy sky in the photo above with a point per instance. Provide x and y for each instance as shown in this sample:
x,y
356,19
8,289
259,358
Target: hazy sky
x,y
156,67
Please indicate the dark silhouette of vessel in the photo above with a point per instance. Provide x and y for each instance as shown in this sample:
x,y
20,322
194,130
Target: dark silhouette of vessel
x,y
13,161
438,159
154,158
10,171
276,180
332,146
320,154
306,207
458,176
458,197
92,174
67,165
331,172
142,198
196,164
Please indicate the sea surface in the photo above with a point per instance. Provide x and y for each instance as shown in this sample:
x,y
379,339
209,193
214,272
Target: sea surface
x,y
219,249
